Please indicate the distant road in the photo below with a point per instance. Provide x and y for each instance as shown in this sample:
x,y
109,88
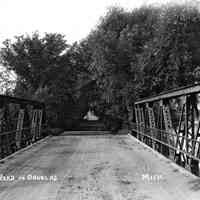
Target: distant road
x,y
94,167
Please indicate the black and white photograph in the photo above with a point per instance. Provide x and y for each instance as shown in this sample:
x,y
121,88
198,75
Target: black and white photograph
x,y
100,100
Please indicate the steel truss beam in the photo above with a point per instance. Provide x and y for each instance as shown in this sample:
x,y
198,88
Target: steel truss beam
x,y
170,123
20,101
21,121
172,94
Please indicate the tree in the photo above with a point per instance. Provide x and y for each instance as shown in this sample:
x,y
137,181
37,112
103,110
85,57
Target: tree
x,y
35,60
45,71
7,81
116,45
129,55
171,57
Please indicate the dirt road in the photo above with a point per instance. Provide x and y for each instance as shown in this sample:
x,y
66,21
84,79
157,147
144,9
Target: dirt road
x,y
103,167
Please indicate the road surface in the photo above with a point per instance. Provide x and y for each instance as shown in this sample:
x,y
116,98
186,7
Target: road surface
x,y
93,167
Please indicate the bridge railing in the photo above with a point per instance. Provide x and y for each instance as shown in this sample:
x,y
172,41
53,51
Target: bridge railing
x,y
21,123
170,124
159,140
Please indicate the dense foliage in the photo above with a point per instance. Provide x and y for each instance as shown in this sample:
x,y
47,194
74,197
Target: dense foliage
x,y
141,53
49,70
129,55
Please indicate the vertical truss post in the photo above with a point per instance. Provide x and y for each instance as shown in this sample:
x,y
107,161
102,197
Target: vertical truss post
x,y
193,133
182,132
137,121
186,128
40,115
7,128
34,124
20,121
136,115
1,127
179,132
197,149
160,126
4,126
169,131
142,122
146,140
27,137
191,164
164,136
152,123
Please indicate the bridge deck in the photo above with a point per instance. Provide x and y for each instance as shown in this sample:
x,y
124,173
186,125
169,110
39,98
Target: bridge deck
x,y
101,167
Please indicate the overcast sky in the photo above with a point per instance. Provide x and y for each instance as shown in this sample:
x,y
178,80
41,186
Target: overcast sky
x,y
73,18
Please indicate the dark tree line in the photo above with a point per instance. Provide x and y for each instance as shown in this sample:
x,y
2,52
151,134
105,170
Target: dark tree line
x,y
129,55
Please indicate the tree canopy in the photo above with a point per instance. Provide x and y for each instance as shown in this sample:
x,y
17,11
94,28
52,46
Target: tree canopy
x,y
129,55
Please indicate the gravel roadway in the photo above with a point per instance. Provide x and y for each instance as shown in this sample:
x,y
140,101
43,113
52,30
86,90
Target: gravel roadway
x,y
93,167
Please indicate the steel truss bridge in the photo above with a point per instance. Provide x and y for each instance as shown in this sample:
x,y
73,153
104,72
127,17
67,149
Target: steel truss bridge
x,y
77,164
170,124
21,121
